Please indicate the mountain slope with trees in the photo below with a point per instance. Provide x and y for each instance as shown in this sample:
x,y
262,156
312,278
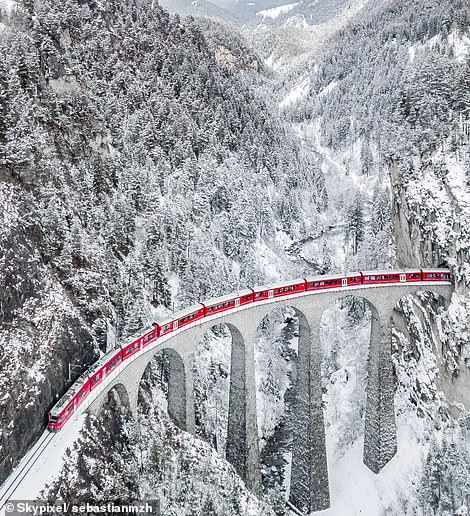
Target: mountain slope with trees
x,y
387,105
137,173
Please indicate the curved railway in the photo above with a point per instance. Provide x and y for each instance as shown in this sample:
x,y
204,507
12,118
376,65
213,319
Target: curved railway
x,y
108,366
101,374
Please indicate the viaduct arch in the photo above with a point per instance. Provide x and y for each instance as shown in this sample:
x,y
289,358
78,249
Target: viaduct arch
x,y
309,478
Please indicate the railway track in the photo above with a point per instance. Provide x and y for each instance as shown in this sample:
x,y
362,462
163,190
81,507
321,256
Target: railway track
x,y
16,478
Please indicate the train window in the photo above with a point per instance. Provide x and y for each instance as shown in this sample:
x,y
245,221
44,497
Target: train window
x,y
188,317
113,363
260,294
82,393
286,289
221,305
95,379
413,275
246,298
131,348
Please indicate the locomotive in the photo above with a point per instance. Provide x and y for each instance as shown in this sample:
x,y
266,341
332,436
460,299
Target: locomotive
x,y
91,379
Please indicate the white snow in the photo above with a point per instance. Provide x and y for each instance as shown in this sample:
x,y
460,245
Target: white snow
x,y
297,92
269,262
355,490
275,12
8,5
456,179
461,45
47,466
327,89
173,282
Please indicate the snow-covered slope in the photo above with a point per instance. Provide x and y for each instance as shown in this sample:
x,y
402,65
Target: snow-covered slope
x,y
387,107
200,8
136,156
127,188
290,36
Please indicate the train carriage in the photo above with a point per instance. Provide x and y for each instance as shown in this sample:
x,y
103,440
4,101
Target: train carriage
x,y
351,280
261,293
287,288
149,337
220,304
380,277
323,282
98,371
412,275
113,362
64,409
435,274
191,314
130,349
166,326
223,303
246,296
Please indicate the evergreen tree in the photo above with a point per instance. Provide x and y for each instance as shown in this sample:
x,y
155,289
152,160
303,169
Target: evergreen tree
x,y
355,225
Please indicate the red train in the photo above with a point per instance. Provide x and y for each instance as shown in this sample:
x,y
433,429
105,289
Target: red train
x,y
114,359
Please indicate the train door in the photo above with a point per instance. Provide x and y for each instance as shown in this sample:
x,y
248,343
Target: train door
x,y
402,278
344,282
237,302
271,293
175,325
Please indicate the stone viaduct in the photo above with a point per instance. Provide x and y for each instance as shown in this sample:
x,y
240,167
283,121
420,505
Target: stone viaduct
x,y
309,475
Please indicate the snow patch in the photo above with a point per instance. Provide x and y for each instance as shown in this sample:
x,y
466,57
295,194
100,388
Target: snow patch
x,y
275,12
296,93
328,88
460,44
8,6
48,465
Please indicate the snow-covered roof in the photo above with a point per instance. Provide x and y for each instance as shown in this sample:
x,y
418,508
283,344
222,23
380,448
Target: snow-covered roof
x,y
382,273
180,314
68,396
286,283
103,360
328,277
229,297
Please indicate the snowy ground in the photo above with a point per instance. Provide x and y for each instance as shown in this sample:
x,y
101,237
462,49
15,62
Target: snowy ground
x,y
275,12
355,490
42,471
